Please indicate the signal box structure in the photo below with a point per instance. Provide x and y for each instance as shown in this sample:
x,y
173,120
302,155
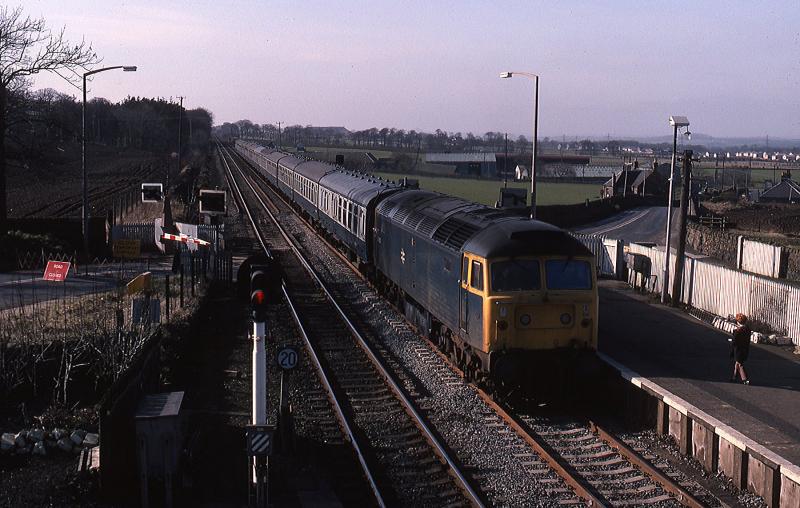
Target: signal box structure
x,y
152,193
212,202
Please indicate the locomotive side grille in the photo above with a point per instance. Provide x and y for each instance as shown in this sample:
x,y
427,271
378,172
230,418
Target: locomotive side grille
x,y
427,225
401,214
414,219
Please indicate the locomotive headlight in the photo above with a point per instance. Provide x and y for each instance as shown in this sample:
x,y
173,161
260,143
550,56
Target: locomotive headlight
x,y
586,310
525,319
566,318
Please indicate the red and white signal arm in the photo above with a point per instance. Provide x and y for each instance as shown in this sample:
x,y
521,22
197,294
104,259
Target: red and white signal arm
x,y
212,202
152,193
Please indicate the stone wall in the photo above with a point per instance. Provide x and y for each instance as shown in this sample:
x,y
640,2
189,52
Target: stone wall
x,y
567,216
716,243
722,245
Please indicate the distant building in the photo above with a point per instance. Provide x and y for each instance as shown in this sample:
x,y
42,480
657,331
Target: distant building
x,y
639,182
483,165
521,172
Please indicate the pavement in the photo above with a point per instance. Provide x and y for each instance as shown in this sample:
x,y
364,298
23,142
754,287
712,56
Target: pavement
x,y
25,287
691,359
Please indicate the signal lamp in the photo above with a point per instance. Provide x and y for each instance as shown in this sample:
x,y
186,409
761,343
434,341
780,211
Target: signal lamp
x,y
258,293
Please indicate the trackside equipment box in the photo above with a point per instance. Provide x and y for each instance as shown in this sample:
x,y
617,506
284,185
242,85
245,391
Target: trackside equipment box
x,y
158,447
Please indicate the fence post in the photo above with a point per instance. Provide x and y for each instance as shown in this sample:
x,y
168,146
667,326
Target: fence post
x,y
181,285
166,294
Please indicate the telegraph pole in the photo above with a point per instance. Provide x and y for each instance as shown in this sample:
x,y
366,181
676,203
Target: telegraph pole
x,y
677,281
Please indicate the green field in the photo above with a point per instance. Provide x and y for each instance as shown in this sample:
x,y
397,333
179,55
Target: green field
x,y
488,191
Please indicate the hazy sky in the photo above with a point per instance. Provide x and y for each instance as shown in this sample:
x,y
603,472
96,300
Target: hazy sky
x,y
606,67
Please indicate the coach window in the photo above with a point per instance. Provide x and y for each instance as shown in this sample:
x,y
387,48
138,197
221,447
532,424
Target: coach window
x,y
477,276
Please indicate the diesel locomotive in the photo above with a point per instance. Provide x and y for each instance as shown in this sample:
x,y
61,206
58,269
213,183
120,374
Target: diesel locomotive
x,y
512,300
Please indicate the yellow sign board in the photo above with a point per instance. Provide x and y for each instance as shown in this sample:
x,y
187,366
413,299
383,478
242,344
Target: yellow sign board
x,y
129,249
142,282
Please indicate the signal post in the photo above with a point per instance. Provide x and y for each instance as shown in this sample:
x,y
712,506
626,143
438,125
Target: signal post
x,y
259,435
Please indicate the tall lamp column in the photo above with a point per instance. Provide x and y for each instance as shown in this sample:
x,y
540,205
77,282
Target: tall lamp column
x,y
534,150
85,196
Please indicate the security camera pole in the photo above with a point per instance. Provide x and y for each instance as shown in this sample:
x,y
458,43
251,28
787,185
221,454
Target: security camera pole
x,y
676,122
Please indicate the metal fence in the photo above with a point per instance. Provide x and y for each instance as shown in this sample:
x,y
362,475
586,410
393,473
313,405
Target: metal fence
x,y
142,231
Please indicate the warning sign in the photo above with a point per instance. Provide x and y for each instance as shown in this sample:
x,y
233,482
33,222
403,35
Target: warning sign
x,y
128,249
56,271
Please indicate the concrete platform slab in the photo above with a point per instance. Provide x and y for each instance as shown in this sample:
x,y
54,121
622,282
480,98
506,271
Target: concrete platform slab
x,y
751,433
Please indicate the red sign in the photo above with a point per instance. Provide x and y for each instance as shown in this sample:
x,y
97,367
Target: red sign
x,y
56,271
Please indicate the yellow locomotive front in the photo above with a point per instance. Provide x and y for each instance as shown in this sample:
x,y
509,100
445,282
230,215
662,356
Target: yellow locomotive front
x,y
539,314
541,304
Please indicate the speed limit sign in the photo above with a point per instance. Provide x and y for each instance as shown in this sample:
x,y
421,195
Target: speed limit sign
x,y
287,358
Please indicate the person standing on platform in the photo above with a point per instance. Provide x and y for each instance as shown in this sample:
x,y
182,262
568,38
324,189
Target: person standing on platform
x,y
741,348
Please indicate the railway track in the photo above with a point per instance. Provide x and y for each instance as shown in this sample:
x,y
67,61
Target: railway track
x,y
402,459
591,466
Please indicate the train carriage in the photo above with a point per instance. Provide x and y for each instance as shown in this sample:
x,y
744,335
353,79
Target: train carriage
x,y
347,209
305,183
284,166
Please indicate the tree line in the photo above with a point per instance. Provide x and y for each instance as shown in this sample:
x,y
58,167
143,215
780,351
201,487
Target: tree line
x,y
390,138
32,122
39,121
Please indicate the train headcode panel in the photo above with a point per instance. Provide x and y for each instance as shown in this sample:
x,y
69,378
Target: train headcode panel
x,y
152,193
212,202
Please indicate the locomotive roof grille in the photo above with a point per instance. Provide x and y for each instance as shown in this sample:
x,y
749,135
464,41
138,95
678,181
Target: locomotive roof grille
x,y
455,232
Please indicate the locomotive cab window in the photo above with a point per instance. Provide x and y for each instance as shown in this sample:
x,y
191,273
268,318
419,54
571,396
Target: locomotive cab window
x,y
568,274
515,275
476,281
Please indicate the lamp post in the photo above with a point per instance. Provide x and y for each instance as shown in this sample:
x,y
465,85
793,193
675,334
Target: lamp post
x,y
535,78
85,206
676,122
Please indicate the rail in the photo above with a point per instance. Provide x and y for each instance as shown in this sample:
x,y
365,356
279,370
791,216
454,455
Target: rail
x,y
462,482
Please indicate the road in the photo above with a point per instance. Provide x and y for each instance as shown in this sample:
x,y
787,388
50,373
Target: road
x,y
27,287
643,224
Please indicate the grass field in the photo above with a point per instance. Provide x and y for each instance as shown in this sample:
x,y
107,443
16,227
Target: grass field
x,y
488,191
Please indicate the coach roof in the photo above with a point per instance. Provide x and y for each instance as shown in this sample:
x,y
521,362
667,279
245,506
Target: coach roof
x,y
358,187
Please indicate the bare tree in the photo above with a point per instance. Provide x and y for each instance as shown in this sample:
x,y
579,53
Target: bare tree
x,y
28,47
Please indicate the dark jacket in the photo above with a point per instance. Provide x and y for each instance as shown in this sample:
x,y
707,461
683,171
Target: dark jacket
x,y
741,343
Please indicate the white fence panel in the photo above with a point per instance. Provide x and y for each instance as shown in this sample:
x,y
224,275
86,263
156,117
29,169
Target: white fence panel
x,y
760,258
605,250
724,292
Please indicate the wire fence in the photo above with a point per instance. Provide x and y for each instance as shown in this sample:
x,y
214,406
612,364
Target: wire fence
x,y
67,341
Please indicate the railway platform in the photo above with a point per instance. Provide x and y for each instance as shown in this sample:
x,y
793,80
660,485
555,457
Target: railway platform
x,y
751,433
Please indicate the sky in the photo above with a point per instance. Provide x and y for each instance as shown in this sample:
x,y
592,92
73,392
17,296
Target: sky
x,y
607,68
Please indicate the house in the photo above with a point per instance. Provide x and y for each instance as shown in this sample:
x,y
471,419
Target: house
x,y
637,182
787,191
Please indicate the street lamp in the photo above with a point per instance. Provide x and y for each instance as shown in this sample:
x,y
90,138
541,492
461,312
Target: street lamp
x,y
535,78
85,207
676,122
